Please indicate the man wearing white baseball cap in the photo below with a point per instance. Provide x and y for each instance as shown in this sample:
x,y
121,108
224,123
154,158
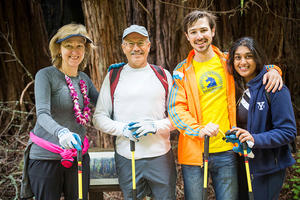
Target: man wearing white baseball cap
x,y
132,107
135,29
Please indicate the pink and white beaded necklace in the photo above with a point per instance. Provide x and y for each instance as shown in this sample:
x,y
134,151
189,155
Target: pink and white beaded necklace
x,y
81,118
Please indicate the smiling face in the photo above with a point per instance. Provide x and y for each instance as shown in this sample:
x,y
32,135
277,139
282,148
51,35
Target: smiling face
x,y
136,47
200,35
72,52
244,63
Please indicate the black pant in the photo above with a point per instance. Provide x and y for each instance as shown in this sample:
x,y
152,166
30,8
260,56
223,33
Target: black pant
x,y
242,179
49,179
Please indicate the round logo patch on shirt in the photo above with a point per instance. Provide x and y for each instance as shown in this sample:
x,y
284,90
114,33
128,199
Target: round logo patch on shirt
x,y
210,82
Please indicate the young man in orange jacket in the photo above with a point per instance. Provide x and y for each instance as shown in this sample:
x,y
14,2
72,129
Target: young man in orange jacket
x,y
202,102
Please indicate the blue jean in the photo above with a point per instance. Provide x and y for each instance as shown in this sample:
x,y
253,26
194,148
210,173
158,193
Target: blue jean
x,y
222,168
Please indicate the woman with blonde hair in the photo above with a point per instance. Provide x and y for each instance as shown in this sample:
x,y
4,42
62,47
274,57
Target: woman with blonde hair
x,y
62,95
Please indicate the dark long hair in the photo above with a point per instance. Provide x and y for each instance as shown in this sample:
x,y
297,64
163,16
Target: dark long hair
x,y
258,56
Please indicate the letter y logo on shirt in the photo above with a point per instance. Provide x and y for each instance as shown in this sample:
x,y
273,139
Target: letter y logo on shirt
x,y
261,105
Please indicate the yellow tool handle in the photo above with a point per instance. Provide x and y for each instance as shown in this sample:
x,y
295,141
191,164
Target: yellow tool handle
x,y
133,171
79,180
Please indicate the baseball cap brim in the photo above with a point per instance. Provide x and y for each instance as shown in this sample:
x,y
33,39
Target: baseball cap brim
x,y
135,29
88,40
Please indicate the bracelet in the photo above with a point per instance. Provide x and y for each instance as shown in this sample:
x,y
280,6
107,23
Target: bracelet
x,y
269,67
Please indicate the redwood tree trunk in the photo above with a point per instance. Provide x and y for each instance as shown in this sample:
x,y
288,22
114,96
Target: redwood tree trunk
x,y
24,30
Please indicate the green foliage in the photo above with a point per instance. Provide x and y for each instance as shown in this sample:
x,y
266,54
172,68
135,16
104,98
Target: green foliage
x,y
295,180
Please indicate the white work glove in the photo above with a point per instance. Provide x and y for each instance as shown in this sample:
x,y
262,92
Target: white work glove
x,y
128,133
69,140
143,128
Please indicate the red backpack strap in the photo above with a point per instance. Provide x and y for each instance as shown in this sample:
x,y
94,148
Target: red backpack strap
x,y
161,75
114,75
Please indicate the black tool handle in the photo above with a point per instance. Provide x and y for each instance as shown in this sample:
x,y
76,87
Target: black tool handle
x,y
206,147
79,155
204,194
134,194
132,145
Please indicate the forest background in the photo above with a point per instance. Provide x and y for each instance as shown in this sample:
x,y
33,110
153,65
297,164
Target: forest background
x,y
27,25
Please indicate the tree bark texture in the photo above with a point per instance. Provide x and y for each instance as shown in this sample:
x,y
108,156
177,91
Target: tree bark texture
x,y
272,23
23,47
58,13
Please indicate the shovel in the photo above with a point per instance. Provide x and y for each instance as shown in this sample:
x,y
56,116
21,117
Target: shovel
x,y
250,193
79,161
206,148
132,149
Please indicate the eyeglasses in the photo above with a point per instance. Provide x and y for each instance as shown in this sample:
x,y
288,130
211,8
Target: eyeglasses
x,y
132,44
